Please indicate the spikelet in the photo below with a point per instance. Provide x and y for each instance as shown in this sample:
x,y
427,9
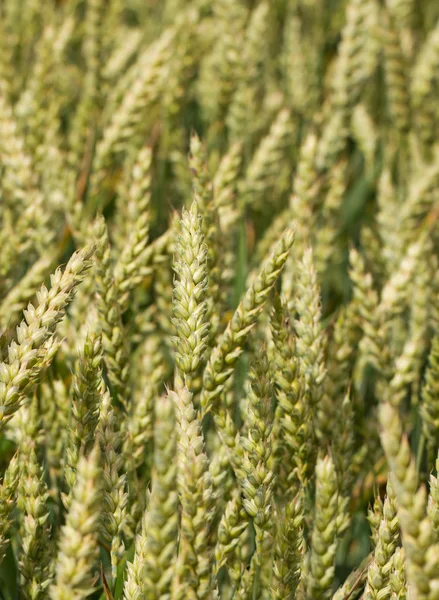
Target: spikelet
x,y
398,96
378,572
233,525
424,74
190,292
365,134
288,551
147,85
114,482
305,193
387,203
297,65
347,457
373,344
193,41
55,411
374,517
244,102
22,293
418,204
327,245
291,427
162,289
203,194
407,20
310,338
121,57
86,115
218,369
220,68
33,104
257,477
35,344
428,407
77,546
37,549
20,188
86,398
147,389
134,582
224,186
193,576
255,473
342,352
324,534
394,293
131,267
398,579
161,517
417,530
262,174
110,316
8,489
355,61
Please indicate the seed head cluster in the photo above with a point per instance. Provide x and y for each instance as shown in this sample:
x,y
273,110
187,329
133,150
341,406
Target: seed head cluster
x,y
219,316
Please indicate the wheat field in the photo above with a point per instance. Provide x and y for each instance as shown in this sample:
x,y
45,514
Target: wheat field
x,y
219,299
